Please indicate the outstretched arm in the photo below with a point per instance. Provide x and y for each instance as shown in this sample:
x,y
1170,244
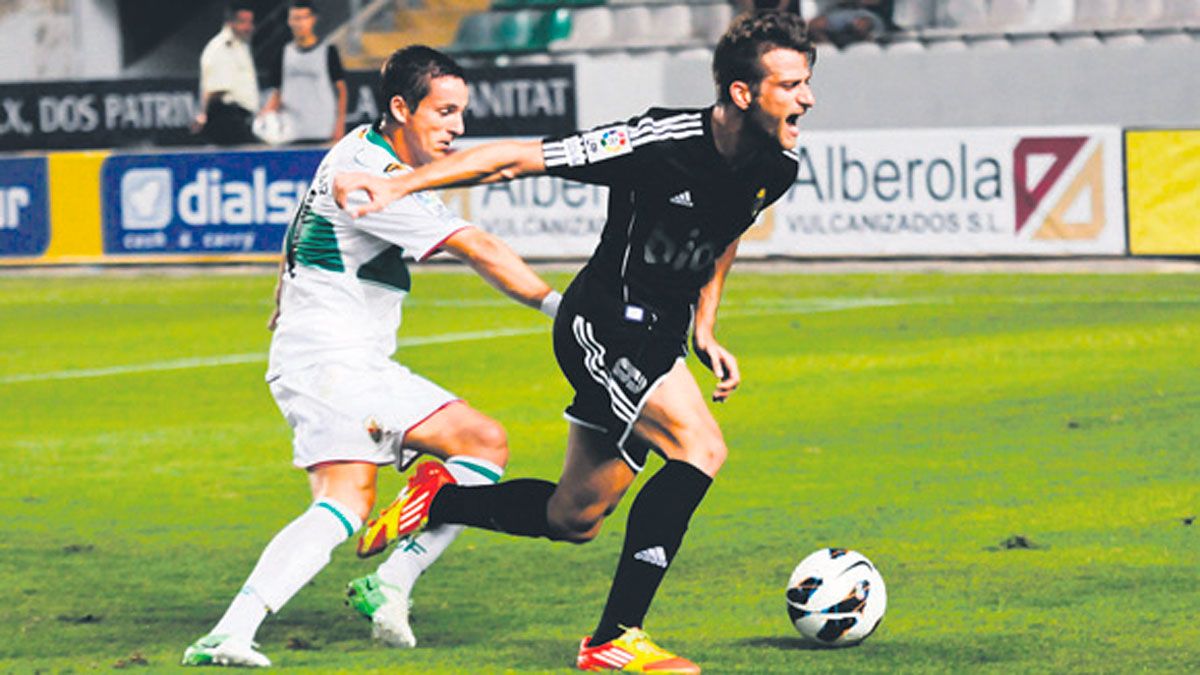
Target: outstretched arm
x,y
704,340
493,260
488,163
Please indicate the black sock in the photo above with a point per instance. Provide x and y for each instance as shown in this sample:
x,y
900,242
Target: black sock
x,y
513,507
657,520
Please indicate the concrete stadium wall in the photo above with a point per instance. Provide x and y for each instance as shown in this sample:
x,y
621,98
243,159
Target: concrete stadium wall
x,y
1150,84
45,40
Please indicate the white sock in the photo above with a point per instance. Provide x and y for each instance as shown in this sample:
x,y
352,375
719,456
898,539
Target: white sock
x,y
413,556
291,560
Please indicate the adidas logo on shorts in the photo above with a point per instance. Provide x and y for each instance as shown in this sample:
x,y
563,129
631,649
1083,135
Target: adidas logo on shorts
x,y
683,199
654,556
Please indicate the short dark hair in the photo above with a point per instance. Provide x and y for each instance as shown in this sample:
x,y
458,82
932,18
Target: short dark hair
x,y
408,72
304,4
232,7
738,54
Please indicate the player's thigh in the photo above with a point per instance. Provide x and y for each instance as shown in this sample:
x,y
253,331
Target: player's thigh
x,y
593,480
677,421
613,368
459,429
351,484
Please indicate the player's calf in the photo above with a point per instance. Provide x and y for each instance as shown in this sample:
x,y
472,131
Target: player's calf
x,y
577,521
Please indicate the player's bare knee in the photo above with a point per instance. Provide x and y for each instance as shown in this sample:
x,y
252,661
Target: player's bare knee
x,y
365,502
360,503
701,445
584,536
483,438
707,454
577,526
579,531
491,443
356,493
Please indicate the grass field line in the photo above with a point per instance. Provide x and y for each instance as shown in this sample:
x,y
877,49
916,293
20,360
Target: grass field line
x,y
814,306
254,357
806,306
757,303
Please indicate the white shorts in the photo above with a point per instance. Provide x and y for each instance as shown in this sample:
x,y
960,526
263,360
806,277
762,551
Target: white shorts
x,y
341,412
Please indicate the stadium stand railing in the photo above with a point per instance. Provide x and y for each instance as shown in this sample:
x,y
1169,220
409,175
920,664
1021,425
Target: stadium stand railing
x,y
562,30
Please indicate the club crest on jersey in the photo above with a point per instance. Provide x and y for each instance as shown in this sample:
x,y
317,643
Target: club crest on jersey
x,y
603,144
760,198
374,430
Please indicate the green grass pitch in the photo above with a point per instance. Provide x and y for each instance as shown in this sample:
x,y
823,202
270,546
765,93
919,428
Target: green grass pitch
x,y
923,419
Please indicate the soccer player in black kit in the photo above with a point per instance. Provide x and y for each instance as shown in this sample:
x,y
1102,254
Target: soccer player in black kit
x,y
683,186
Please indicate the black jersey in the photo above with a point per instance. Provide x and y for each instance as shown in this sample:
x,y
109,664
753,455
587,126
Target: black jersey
x,y
674,204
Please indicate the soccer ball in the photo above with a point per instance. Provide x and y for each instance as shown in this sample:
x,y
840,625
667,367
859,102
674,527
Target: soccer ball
x,y
273,128
836,598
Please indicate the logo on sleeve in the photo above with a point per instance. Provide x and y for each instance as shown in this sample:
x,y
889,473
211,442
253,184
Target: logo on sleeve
x,y
603,144
430,200
576,154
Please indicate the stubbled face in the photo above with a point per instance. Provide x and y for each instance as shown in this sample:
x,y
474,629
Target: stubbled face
x,y
302,21
242,24
783,96
429,130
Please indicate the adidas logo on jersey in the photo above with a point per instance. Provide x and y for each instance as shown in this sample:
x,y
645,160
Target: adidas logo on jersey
x,y
683,199
655,556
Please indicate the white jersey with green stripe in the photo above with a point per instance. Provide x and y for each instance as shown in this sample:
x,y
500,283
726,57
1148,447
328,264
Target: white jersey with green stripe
x,y
346,278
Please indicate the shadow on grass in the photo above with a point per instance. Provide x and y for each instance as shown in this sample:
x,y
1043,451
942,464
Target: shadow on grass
x,y
791,644
948,655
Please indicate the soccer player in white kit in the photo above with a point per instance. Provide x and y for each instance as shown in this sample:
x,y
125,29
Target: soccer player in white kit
x,y
351,407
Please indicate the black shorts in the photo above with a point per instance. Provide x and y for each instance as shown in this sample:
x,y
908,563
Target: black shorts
x,y
614,355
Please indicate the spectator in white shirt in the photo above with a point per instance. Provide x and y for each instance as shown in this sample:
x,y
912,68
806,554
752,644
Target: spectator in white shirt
x,y
228,81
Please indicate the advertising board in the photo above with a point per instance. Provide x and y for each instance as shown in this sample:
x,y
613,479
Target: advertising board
x,y
1163,183
202,203
950,192
24,209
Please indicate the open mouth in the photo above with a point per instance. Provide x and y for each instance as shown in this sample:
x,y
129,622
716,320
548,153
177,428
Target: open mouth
x,y
793,123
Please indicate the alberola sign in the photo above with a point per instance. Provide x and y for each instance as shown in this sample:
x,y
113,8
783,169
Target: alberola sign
x,y
1048,191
